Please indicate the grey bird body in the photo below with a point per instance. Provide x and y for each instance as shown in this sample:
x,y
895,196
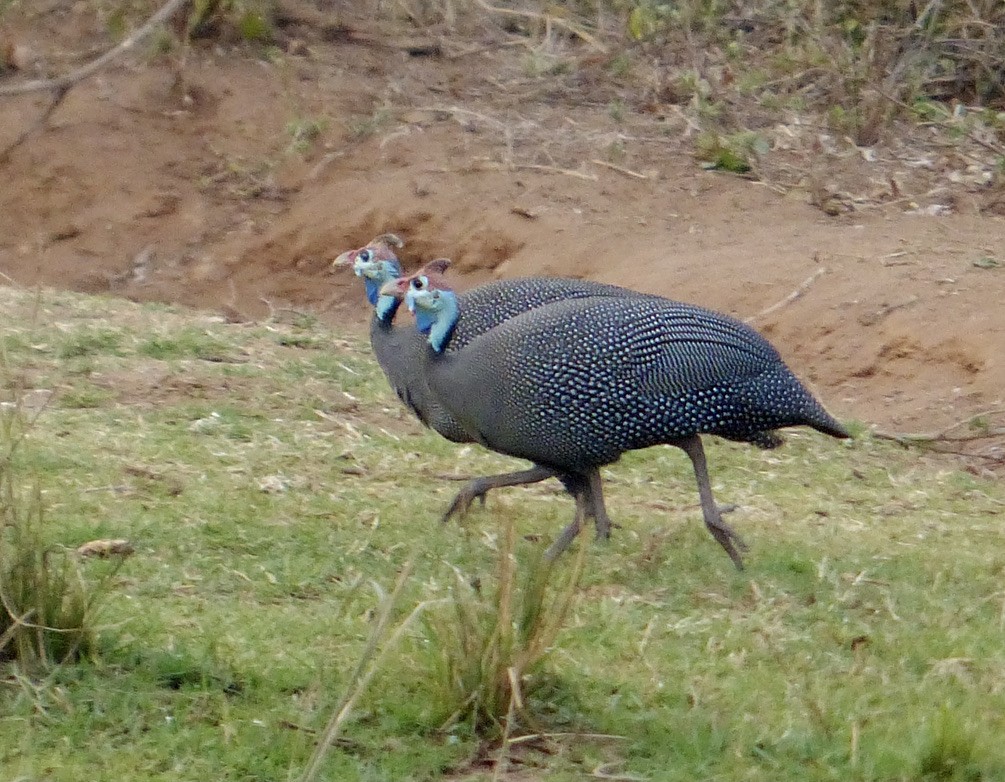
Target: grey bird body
x,y
578,383
574,384
400,350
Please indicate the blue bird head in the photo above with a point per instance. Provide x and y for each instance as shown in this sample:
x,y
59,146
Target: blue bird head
x,y
377,265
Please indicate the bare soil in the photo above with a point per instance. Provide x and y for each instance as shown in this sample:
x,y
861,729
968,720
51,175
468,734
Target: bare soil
x,y
179,178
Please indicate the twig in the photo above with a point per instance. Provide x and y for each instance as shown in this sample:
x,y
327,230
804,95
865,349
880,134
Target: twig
x,y
535,736
605,771
61,85
481,49
803,287
872,318
515,704
998,150
943,435
453,110
486,165
68,80
555,170
990,146
37,125
548,20
17,621
619,169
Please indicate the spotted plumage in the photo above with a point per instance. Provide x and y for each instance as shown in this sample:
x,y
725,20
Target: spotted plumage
x,y
574,384
400,350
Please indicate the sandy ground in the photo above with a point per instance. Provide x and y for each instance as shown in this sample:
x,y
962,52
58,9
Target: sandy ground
x,y
178,181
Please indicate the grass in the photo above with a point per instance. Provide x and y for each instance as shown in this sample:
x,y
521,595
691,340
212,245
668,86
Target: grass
x,y
274,496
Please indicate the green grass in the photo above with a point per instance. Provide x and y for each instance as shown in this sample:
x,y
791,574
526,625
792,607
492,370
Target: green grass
x,y
273,488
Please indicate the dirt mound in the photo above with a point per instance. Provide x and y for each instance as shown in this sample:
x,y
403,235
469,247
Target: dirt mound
x,y
194,183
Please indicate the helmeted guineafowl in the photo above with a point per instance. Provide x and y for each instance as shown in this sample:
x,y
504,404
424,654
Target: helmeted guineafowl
x,y
573,385
400,352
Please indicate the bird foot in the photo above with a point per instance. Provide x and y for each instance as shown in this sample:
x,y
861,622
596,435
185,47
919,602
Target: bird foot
x,y
729,539
603,525
473,490
563,541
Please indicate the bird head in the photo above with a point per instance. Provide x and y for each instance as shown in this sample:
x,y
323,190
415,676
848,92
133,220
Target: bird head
x,y
434,304
377,264
399,286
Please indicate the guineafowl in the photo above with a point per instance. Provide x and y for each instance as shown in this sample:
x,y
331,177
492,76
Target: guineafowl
x,y
573,385
400,353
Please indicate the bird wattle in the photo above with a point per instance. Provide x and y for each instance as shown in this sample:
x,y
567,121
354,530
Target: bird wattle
x,y
385,307
424,319
438,323
372,289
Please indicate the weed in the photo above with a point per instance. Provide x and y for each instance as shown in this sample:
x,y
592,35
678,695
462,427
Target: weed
x,y
487,644
84,396
360,128
951,752
730,153
304,132
250,20
46,608
620,66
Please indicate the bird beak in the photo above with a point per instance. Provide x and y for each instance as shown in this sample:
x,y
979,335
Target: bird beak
x,y
345,259
395,288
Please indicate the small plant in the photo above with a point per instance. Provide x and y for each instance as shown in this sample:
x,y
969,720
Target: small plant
x,y
616,151
363,127
539,63
951,752
486,644
620,67
46,608
731,153
303,132
251,20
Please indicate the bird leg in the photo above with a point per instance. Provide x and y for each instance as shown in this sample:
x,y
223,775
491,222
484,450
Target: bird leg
x,y
477,489
720,530
595,505
570,532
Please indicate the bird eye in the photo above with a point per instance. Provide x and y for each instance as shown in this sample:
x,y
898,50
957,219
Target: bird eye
x,y
365,255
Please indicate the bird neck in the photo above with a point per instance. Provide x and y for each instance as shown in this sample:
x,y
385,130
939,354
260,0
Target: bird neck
x,y
385,308
438,325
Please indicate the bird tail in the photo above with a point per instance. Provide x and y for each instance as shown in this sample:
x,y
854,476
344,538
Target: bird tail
x,y
824,422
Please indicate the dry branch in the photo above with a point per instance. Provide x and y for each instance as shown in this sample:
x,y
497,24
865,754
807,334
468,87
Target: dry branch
x,y
488,165
619,169
548,19
35,126
61,85
66,81
803,287
945,435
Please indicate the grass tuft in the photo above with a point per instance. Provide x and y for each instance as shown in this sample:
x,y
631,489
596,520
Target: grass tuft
x,y
486,645
46,608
